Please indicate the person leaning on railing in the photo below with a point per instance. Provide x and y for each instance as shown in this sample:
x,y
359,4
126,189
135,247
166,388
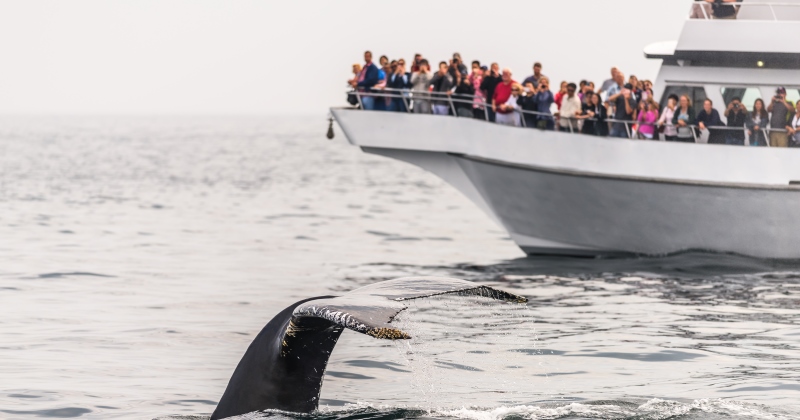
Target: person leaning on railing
x,y
794,129
708,119
647,120
502,92
594,115
507,111
684,119
570,108
366,80
756,123
665,121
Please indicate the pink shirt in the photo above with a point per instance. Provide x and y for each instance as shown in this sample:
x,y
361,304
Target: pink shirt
x,y
647,122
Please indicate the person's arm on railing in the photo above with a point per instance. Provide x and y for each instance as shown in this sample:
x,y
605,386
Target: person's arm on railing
x,y
370,79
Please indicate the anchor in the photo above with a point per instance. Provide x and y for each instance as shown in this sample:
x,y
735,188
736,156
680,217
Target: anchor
x,y
330,134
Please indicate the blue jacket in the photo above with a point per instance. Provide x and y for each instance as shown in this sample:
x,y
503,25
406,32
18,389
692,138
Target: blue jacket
x,y
370,78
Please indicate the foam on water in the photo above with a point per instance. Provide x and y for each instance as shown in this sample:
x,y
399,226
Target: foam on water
x,y
654,409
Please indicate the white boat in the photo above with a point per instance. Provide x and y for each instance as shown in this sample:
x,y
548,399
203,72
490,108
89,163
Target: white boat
x,y
572,194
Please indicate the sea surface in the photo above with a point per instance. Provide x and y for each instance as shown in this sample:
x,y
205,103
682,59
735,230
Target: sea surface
x,y
140,256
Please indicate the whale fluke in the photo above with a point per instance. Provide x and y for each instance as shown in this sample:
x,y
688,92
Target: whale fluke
x,y
284,366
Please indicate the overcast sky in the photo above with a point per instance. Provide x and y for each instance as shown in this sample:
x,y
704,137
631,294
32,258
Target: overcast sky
x,y
293,57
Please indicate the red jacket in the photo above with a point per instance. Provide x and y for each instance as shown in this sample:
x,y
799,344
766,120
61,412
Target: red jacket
x,y
501,94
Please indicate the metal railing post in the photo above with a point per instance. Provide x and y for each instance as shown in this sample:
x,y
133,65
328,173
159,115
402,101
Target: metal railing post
x,y
522,118
767,134
628,130
406,102
694,134
452,107
360,104
772,9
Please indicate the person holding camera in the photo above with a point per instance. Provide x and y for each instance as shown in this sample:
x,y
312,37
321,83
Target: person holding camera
x,y
736,114
544,101
527,102
781,109
420,82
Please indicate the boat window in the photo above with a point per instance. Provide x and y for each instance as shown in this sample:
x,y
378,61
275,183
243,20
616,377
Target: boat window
x,y
696,93
747,95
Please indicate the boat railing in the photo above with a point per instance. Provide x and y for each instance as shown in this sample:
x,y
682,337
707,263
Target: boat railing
x,y
573,122
774,11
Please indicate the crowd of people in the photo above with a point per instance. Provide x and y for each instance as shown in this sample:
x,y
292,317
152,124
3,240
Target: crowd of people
x,y
621,107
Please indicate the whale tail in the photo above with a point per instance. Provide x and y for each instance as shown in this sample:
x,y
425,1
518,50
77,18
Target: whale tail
x,y
284,366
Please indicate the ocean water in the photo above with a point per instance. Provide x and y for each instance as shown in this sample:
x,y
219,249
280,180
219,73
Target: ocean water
x,y
140,256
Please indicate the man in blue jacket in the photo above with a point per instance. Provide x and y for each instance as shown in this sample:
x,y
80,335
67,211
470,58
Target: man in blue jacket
x,y
366,80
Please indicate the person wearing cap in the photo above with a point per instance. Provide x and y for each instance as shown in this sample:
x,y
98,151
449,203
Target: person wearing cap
x,y
780,109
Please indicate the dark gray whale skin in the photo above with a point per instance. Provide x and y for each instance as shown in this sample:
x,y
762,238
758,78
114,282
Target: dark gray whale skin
x,y
270,377
284,366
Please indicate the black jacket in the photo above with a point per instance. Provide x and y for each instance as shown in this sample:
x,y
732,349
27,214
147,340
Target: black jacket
x,y
464,93
711,120
489,84
597,125
528,103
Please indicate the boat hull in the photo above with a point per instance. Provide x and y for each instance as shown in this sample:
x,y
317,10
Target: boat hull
x,y
531,183
638,216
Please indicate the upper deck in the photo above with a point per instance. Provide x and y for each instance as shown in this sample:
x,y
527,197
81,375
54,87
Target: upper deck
x,y
763,34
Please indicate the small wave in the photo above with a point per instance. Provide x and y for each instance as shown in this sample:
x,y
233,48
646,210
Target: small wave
x,y
654,409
